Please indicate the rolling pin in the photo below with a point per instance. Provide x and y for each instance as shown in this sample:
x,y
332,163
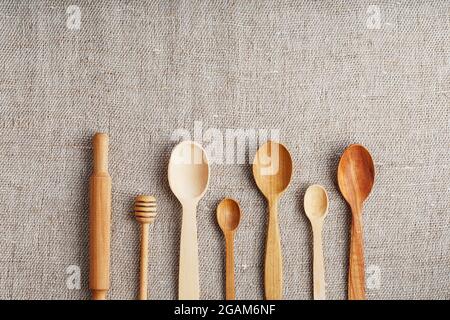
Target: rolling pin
x,y
99,219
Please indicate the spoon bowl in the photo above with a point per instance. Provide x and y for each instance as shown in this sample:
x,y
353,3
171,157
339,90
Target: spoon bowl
x,y
356,174
316,202
272,169
188,171
228,215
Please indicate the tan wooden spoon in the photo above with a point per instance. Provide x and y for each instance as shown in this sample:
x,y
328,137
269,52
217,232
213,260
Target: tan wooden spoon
x,y
356,176
188,178
228,217
316,209
272,169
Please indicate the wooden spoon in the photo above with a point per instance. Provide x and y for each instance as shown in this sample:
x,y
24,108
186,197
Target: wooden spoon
x,y
228,217
188,178
316,209
272,169
356,176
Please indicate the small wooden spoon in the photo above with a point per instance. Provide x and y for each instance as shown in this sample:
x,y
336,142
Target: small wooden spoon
x,y
228,217
188,178
272,169
316,209
356,176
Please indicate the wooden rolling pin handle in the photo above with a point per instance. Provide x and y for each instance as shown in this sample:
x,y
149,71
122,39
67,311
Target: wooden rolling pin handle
x,y
99,219
100,144
99,294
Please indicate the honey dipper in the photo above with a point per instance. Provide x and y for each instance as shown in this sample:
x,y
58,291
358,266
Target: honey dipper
x,y
145,211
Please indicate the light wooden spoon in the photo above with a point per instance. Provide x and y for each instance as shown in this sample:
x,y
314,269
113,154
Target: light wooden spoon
x,y
316,209
228,217
272,169
188,178
356,176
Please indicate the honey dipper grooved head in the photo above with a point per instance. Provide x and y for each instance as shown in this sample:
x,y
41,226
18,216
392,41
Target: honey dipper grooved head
x,y
145,209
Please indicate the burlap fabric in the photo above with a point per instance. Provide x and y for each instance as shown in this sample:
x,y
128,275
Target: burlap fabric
x,y
324,73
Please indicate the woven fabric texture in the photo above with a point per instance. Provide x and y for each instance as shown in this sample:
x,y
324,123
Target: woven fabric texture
x,y
324,73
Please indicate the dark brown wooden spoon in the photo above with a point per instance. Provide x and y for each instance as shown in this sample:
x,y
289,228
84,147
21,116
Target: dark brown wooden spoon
x,y
228,217
356,176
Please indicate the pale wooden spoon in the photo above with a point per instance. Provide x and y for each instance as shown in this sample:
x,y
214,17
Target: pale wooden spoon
x,y
228,217
188,178
316,209
356,176
272,169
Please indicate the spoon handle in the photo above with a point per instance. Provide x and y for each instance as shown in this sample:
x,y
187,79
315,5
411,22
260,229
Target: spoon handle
x,y
229,266
273,262
318,265
189,284
356,275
